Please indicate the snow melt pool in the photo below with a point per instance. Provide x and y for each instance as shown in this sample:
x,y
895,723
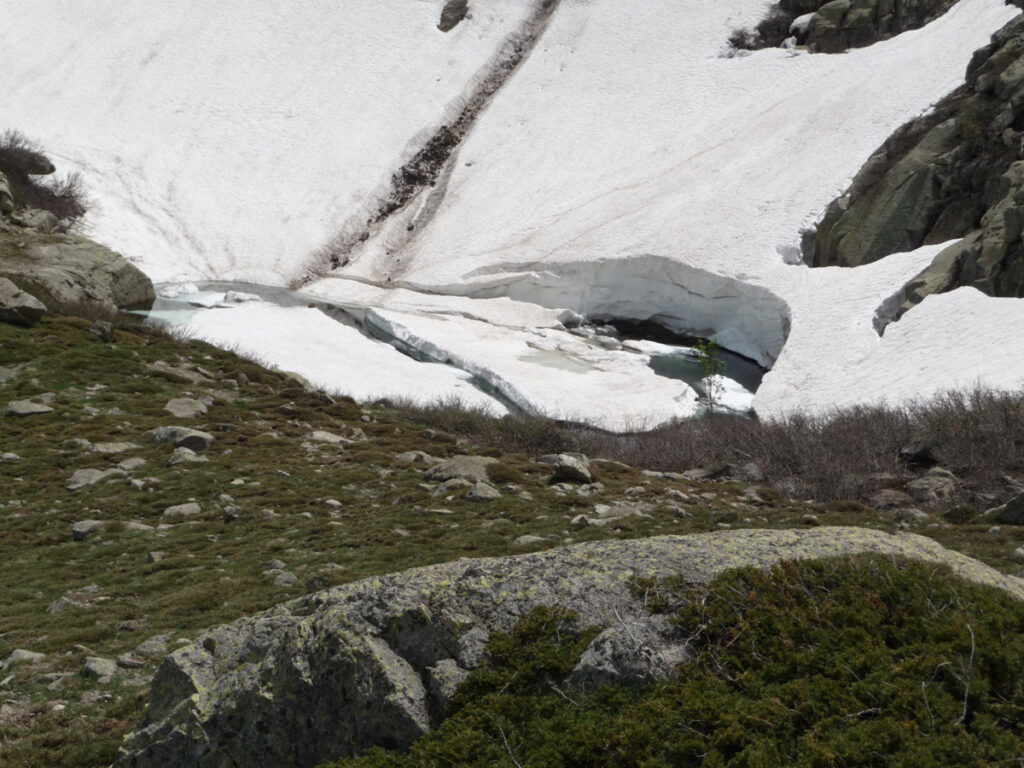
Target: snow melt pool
x,y
424,349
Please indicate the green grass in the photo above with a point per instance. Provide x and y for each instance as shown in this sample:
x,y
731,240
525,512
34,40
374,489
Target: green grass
x,y
214,571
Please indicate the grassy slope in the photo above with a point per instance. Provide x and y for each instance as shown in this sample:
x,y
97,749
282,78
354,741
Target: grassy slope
x,y
214,571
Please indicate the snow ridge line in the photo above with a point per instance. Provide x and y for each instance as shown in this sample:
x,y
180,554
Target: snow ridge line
x,y
428,169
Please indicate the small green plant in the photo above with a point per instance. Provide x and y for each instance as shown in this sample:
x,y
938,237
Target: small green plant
x,y
712,367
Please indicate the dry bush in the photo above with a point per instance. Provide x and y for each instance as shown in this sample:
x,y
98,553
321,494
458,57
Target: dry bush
x,y
29,172
844,455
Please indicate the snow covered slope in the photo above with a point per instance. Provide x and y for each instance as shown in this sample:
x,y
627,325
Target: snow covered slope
x,y
624,168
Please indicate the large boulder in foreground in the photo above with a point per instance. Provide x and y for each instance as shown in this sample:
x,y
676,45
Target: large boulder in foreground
x,y
64,271
374,662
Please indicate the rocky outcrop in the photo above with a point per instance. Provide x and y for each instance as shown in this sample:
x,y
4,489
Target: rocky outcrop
x,y
834,26
954,173
6,195
374,662
18,307
68,271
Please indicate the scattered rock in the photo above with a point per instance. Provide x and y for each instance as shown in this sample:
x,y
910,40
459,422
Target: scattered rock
x,y
129,465
183,437
26,408
109,448
483,492
529,540
1012,513
936,487
21,656
185,408
84,477
449,487
104,669
418,457
18,307
286,579
10,457
102,330
908,515
279,565
320,436
153,648
155,557
889,498
191,509
472,469
125,661
572,468
81,530
184,456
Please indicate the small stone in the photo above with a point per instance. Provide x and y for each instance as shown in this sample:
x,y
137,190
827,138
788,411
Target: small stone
x,y
134,525
810,520
26,408
103,330
81,530
129,465
114,447
21,656
10,457
185,408
155,557
183,437
320,436
572,468
903,516
333,503
471,469
483,492
84,477
451,486
418,457
231,513
279,565
529,540
124,661
286,579
191,509
184,456
104,669
1019,553
154,647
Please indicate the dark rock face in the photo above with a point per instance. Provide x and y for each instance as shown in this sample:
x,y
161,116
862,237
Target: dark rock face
x,y
954,173
838,25
374,662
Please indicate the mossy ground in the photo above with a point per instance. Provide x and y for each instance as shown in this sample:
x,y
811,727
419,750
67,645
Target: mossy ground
x,y
845,662
116,595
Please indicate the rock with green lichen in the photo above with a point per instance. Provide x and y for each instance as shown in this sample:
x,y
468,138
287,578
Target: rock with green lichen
x,y
337,672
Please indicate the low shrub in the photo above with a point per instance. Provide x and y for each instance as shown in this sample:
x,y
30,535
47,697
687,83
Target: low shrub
x,y
848,662
29,172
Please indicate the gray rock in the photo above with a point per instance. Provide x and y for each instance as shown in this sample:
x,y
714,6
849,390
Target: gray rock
x,y
129,465
104,669
191,509
109,448
103,330
472,469
483,492
630,653
183,437
937,487
6,195
449,487
40,221
155,557
889,498
572,468
26,408
418,457
18,307
125,661
1012,513
66,271
444,679
184,456
81,530
185,408
153,648
337,672
286,579
320,436
10,457
529,540
21,656
84,477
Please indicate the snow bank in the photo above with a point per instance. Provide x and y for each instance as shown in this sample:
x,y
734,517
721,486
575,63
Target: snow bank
x,y
625,169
